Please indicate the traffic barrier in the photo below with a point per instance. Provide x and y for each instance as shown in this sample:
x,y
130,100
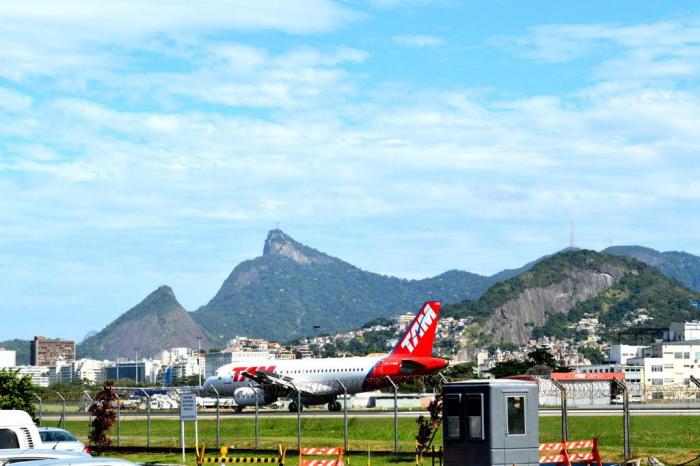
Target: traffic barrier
x,y
321,451
202,459
564,457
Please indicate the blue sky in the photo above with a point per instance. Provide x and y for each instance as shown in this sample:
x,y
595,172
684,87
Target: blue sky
x,y
142,145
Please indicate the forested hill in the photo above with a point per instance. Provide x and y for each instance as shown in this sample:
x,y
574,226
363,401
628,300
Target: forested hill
x,y
292,287
157,323
682,266
562,288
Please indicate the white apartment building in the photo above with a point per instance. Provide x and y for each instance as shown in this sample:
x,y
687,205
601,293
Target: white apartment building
x,y
620,354
90,369
38,374
669,364
8,358
683,331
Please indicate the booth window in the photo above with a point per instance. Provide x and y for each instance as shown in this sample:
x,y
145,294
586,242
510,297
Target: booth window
x,y
516,415
452,409
475,408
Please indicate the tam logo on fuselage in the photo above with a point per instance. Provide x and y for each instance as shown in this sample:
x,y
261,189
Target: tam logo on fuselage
x,y
237,377
420,325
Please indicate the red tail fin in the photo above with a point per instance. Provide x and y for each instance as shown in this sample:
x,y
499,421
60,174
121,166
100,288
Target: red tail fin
x,y
420,334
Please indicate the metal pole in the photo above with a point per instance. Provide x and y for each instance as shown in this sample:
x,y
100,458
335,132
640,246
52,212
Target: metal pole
x,y
625,417
148,428
396,414
257,432
119,417
62,421
345,415
298,417
41,407
218,419
564,411
136,365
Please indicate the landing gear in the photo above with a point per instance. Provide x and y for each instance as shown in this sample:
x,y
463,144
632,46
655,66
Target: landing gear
x,y
334,406
239,409
293,407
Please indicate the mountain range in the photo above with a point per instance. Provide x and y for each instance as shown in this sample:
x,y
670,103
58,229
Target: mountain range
x,y
291,288
566,287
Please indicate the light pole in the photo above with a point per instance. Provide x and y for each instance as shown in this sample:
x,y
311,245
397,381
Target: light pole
x,y
136,365
199,359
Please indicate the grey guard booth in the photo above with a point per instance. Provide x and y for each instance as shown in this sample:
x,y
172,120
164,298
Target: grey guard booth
x,y
491,422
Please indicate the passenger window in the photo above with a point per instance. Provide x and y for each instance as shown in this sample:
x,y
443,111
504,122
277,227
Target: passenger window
x,y
475,407
8,439
453,430
516,415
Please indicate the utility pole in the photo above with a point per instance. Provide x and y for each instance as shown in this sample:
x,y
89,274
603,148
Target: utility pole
x,y
199,359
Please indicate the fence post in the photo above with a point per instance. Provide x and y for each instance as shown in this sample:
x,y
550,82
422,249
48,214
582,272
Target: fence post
x,y
62,421
218,419
148,422
298,417
345,415
564,411
625,417
396,414
257,431
41,407
119,417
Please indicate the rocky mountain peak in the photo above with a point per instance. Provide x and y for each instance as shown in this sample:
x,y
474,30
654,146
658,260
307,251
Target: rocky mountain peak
x,y
280,244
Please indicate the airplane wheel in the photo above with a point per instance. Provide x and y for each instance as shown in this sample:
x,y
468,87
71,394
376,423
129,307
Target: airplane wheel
x,y
292,407
337,406
331,406
239,409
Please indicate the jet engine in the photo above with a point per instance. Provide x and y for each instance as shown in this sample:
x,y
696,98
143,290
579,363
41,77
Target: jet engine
x,y
246,396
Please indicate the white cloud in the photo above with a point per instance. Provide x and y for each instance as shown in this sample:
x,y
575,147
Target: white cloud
x,y
53,37
660,50
418,40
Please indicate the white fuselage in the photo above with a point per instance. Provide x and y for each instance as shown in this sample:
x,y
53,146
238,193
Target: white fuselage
x,y
322,374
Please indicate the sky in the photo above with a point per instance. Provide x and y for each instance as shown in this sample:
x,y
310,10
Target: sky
x,y
145,143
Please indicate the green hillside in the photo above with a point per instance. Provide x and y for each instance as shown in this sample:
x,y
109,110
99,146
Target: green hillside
x,y
293,287
157,323
682,266
637,289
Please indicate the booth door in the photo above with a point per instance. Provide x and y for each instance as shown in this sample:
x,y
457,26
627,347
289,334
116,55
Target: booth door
x,y
517,434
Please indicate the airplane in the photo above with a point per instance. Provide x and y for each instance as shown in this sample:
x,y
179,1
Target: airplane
x,y
316,381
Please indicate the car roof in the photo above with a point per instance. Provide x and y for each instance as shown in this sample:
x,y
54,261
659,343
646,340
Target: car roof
x,y
14,417
80,461
8,453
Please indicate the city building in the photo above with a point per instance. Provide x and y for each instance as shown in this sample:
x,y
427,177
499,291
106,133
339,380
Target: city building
x,y
620,354
683,331
669,363
8,358
144,371
47,352
38,374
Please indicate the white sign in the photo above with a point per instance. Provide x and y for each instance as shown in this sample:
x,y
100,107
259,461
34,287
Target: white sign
x,y
188,406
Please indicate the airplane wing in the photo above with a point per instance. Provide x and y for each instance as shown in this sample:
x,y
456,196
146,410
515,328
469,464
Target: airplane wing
x,y
283,386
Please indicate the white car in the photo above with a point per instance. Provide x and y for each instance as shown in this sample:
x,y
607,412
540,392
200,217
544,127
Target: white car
x,y
20,455
60,439
17,430
82,461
